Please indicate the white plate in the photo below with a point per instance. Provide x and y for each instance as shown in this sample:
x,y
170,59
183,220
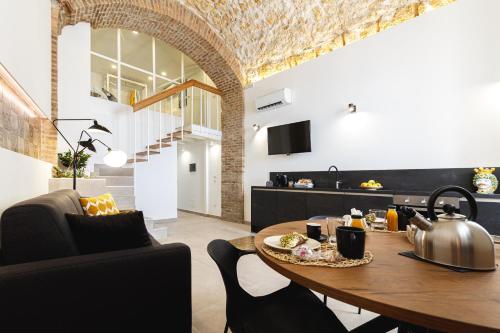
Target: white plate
x,y
274,242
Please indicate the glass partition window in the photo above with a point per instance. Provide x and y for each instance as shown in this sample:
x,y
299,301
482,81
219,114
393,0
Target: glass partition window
x,y
104,78
104,42
137,49
132,66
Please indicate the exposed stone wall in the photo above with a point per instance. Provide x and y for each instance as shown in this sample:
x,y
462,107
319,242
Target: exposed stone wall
x,y
18,131
274,35
179,27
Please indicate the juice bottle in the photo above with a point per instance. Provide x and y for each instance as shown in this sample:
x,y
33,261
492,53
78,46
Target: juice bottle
x,y
392,218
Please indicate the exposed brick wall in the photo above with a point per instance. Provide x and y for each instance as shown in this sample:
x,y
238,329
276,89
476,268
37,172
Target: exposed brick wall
x,y
179,27
49,133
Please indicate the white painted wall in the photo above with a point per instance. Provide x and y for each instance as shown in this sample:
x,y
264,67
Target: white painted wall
x,y
21,178
156,185
26,43
25,52
192,185
199,191
427,93
75,100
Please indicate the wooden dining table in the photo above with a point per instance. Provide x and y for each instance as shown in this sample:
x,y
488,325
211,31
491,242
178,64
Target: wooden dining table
x,y
402,288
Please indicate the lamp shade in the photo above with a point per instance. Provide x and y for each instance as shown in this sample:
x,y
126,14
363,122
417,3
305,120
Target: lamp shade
x,y
115,158
98,128
88,145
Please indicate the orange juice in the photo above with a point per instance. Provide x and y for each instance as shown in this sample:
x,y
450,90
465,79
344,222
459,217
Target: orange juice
x,y
392,219
357,221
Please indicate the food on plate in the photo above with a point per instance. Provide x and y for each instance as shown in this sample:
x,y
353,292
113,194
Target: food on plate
x,y
304,181
371,184
292,240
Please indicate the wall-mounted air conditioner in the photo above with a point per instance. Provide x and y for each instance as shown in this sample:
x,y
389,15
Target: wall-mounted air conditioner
x,y
274,100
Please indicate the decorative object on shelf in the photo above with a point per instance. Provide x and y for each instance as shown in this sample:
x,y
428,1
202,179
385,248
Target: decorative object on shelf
x,y
256,127
351,108
269,183
113,158
485,181
109,95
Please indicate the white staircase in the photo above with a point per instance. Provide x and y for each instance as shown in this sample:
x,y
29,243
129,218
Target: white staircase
x,y
119,182
186,112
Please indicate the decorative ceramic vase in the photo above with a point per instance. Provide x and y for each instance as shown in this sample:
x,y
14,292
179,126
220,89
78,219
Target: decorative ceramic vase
x,y
485,181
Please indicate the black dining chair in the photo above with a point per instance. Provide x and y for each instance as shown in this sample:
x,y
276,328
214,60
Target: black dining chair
x,y
293,309
324,217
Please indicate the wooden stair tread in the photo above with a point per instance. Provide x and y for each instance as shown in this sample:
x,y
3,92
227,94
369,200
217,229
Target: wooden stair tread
x,y
157,145
145,153
138,160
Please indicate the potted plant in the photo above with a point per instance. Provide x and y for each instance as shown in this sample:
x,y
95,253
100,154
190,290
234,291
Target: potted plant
x,y
64,169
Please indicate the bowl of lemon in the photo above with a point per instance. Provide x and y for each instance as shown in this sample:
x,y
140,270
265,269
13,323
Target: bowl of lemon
x,y
371,185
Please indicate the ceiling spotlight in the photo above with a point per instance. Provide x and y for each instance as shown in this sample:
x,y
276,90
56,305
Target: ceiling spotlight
x,y
351,108
113,66
256,127
164,73
150,78
135,32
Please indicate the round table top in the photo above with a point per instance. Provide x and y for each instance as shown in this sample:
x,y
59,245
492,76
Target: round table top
x,y
399,287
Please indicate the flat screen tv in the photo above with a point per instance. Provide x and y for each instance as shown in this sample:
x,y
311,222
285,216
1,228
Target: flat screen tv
x,y
289,139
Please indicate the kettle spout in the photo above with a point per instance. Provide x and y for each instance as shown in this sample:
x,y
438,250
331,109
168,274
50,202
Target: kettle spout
x,y
417,219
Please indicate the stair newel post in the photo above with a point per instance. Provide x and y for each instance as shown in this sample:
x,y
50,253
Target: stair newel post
x,y
160,124
201,107
192,107
134,150
182,113
171,121
147,130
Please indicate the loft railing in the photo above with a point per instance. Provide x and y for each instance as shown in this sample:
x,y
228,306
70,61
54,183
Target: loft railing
x,y
165,117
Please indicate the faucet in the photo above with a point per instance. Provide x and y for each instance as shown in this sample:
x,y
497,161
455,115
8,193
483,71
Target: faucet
x,y
338,179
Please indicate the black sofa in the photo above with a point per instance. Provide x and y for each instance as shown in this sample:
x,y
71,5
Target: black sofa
x,y
45,286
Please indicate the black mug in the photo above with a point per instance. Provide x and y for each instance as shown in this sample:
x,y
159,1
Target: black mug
x,y
351,242
313,230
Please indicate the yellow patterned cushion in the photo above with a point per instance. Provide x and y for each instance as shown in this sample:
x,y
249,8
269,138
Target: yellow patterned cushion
x,y
101,205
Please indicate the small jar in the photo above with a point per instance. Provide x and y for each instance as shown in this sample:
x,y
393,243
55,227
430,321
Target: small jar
x,y
358,222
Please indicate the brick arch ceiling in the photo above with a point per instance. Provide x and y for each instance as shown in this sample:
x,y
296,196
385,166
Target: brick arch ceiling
x,y
179,27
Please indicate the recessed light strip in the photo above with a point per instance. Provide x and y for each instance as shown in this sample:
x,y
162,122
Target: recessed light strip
x,y
12,90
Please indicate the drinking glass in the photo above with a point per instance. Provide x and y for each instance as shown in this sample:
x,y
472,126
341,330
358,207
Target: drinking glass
x,y
380,222
331,224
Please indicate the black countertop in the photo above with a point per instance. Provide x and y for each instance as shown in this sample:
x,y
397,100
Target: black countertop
x,y
382,191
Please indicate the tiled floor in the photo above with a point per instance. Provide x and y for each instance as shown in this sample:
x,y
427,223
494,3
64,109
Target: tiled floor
x,y
209,297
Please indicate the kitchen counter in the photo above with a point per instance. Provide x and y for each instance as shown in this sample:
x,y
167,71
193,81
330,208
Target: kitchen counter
x,y
375,192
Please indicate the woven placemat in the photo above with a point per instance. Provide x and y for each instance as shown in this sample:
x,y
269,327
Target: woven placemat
x,y
340,261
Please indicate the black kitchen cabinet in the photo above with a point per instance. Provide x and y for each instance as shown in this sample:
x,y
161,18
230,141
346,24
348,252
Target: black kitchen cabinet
x,y
264,209
273,206
291,206
366,202
325,204
488,215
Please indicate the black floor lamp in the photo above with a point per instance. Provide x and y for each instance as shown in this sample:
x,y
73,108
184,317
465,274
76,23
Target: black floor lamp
x,y
114,158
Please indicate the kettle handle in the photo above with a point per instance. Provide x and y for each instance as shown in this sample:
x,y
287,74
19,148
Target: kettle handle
x,y
470,199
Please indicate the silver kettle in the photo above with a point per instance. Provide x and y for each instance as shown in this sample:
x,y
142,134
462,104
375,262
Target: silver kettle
x,y
450,238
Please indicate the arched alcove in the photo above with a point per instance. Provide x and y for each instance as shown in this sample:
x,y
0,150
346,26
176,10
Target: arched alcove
x,y
179,27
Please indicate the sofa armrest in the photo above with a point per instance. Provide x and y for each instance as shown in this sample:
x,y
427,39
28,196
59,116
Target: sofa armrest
x,y
137,289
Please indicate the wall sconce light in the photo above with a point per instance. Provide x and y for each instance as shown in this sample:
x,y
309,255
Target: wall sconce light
x,y
256,127
351,108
